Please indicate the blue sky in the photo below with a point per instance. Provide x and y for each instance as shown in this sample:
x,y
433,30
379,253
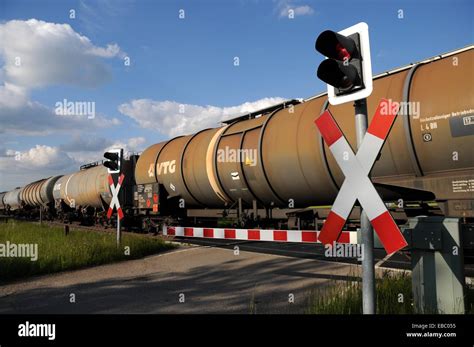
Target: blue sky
x,y
191,61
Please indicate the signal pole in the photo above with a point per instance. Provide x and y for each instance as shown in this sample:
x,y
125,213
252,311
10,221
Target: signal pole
x,y
366,231
347,72
119,232
114,167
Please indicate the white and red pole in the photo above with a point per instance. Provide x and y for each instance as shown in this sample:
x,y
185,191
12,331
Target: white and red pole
x,y
116,203
358,186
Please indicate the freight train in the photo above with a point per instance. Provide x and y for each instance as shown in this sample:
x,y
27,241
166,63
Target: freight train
x,y
272,167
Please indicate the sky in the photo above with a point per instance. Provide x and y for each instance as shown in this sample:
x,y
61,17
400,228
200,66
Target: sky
x,y
147,71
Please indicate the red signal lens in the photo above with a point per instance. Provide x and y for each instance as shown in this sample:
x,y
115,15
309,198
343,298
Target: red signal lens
x,y
342,53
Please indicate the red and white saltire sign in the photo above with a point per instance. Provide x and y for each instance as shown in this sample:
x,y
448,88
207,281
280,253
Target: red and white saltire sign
x,y
357,185
115,201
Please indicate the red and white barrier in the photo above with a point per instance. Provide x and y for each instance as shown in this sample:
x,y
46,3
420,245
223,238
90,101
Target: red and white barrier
x,y
306,236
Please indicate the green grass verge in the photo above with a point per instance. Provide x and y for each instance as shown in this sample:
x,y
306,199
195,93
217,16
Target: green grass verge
x,y
394,296
79,249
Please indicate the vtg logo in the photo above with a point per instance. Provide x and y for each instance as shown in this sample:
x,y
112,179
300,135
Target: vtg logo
x,y
166,166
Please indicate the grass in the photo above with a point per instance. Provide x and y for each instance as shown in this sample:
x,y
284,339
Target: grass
x,y
394,296
393,291
79,249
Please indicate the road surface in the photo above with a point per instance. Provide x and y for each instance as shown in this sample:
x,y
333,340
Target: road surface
x,y
213,280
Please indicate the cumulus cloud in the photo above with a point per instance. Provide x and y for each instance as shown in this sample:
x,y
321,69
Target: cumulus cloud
x,y
42,156
36,54
18,168
283,7
172,118
90,149
132,145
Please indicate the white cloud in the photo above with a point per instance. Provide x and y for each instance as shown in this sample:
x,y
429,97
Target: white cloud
x,y
283,8
36,54
18,168
132,145
42,156
172,118
136,143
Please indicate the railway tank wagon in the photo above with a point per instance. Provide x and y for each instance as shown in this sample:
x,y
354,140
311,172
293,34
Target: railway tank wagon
x,y
278,159
84,188
85,191
39,195
12,200
85,195
2,205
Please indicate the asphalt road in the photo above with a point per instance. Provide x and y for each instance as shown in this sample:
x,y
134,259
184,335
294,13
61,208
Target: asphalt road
x,y
399,260
213,280
261,278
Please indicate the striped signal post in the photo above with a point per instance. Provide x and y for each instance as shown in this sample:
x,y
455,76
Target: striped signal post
x,y
114,189
357,186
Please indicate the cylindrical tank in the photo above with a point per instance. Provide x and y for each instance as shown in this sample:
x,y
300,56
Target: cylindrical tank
x,y
85,188
280,158
12,199
2,205
40,192
30,194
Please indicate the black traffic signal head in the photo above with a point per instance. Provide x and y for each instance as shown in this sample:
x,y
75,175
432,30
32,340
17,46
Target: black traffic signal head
x,y
336,46
111,156
113,164
341,76
347,69
343,68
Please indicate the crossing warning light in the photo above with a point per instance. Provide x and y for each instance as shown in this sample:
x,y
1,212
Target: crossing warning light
x,y
114,162
347,71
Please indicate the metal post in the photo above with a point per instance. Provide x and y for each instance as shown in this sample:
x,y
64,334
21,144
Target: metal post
x,y
240,209
255,209
119,232
367,234
41,215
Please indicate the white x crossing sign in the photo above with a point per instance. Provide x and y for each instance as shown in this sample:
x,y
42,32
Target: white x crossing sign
x,y
115,201
357,185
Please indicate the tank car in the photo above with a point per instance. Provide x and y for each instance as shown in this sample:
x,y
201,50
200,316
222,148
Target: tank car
x,y
269,163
